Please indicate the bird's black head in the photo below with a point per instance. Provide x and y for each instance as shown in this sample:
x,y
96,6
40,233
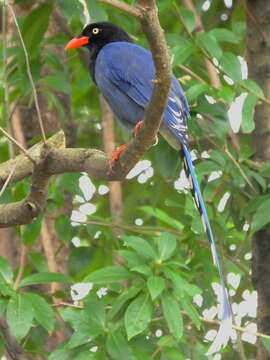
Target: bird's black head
x,y
95,36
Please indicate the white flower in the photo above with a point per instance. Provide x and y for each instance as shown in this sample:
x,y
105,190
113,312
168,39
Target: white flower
x,y
102,292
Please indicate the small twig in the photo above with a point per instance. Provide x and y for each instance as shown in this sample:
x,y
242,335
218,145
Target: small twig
x,y
21,266
131,10
29,74
204,320
4,55
137,229
192,73
227,152
48,247
5,185
63,303
237,328
14,141
115,194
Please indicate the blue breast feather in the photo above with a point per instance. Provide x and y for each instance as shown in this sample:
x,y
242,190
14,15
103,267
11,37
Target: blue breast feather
x,y
124,73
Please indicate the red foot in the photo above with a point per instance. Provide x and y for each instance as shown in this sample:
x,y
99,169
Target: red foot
x,y
116,154
137,128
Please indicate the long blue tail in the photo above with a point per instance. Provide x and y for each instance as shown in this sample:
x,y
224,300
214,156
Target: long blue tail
x,y
197,195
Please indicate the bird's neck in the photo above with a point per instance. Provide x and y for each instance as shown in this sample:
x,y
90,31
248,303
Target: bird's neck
x,y
94,50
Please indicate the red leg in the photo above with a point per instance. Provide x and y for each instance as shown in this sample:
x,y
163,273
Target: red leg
x,y
137,128
116,154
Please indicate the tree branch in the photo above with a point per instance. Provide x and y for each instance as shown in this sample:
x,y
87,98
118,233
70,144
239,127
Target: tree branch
x,y
14,349
129,9
51,160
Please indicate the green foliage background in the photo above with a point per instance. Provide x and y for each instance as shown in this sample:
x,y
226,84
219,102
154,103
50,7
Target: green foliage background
x,y
166,261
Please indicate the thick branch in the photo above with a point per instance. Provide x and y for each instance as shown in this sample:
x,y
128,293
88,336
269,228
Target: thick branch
x,y
14,349
24,167
23,212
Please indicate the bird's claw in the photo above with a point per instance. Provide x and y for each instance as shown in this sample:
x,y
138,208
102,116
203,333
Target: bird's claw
x,y
116,155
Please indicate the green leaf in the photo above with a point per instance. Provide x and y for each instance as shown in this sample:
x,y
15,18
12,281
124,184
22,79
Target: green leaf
x,y
19,315
142,269
96,10
137,316
31,231
181,53
64,228
5,270
44,278
210,44
58,81
166,246
266,343
262,216
180,284
43,312
35,26
141,246
5,288
252,87
123,298
195,91
224,35
191,311
94,308
188,19
247,123
254,204
162,216
71,9
37,259
131,258
155,286
85,326
108,274
173,316
118,347
231,66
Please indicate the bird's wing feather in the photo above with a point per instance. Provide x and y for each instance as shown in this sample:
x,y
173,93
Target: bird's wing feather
x,y
130,68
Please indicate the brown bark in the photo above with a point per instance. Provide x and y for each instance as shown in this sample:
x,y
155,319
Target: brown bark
x,y
115,187
259,69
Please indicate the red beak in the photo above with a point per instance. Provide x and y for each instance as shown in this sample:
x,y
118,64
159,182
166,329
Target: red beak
x,y
77,42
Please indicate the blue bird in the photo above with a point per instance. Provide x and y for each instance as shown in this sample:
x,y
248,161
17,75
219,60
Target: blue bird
x,y
124,73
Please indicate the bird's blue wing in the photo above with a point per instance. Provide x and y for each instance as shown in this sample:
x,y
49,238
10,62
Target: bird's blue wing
x,y
130,68
127,69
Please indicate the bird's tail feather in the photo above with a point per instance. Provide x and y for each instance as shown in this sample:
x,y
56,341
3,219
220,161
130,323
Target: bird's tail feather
x,y
224,331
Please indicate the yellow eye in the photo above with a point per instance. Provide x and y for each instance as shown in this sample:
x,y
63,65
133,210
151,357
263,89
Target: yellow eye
x,y
95,31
